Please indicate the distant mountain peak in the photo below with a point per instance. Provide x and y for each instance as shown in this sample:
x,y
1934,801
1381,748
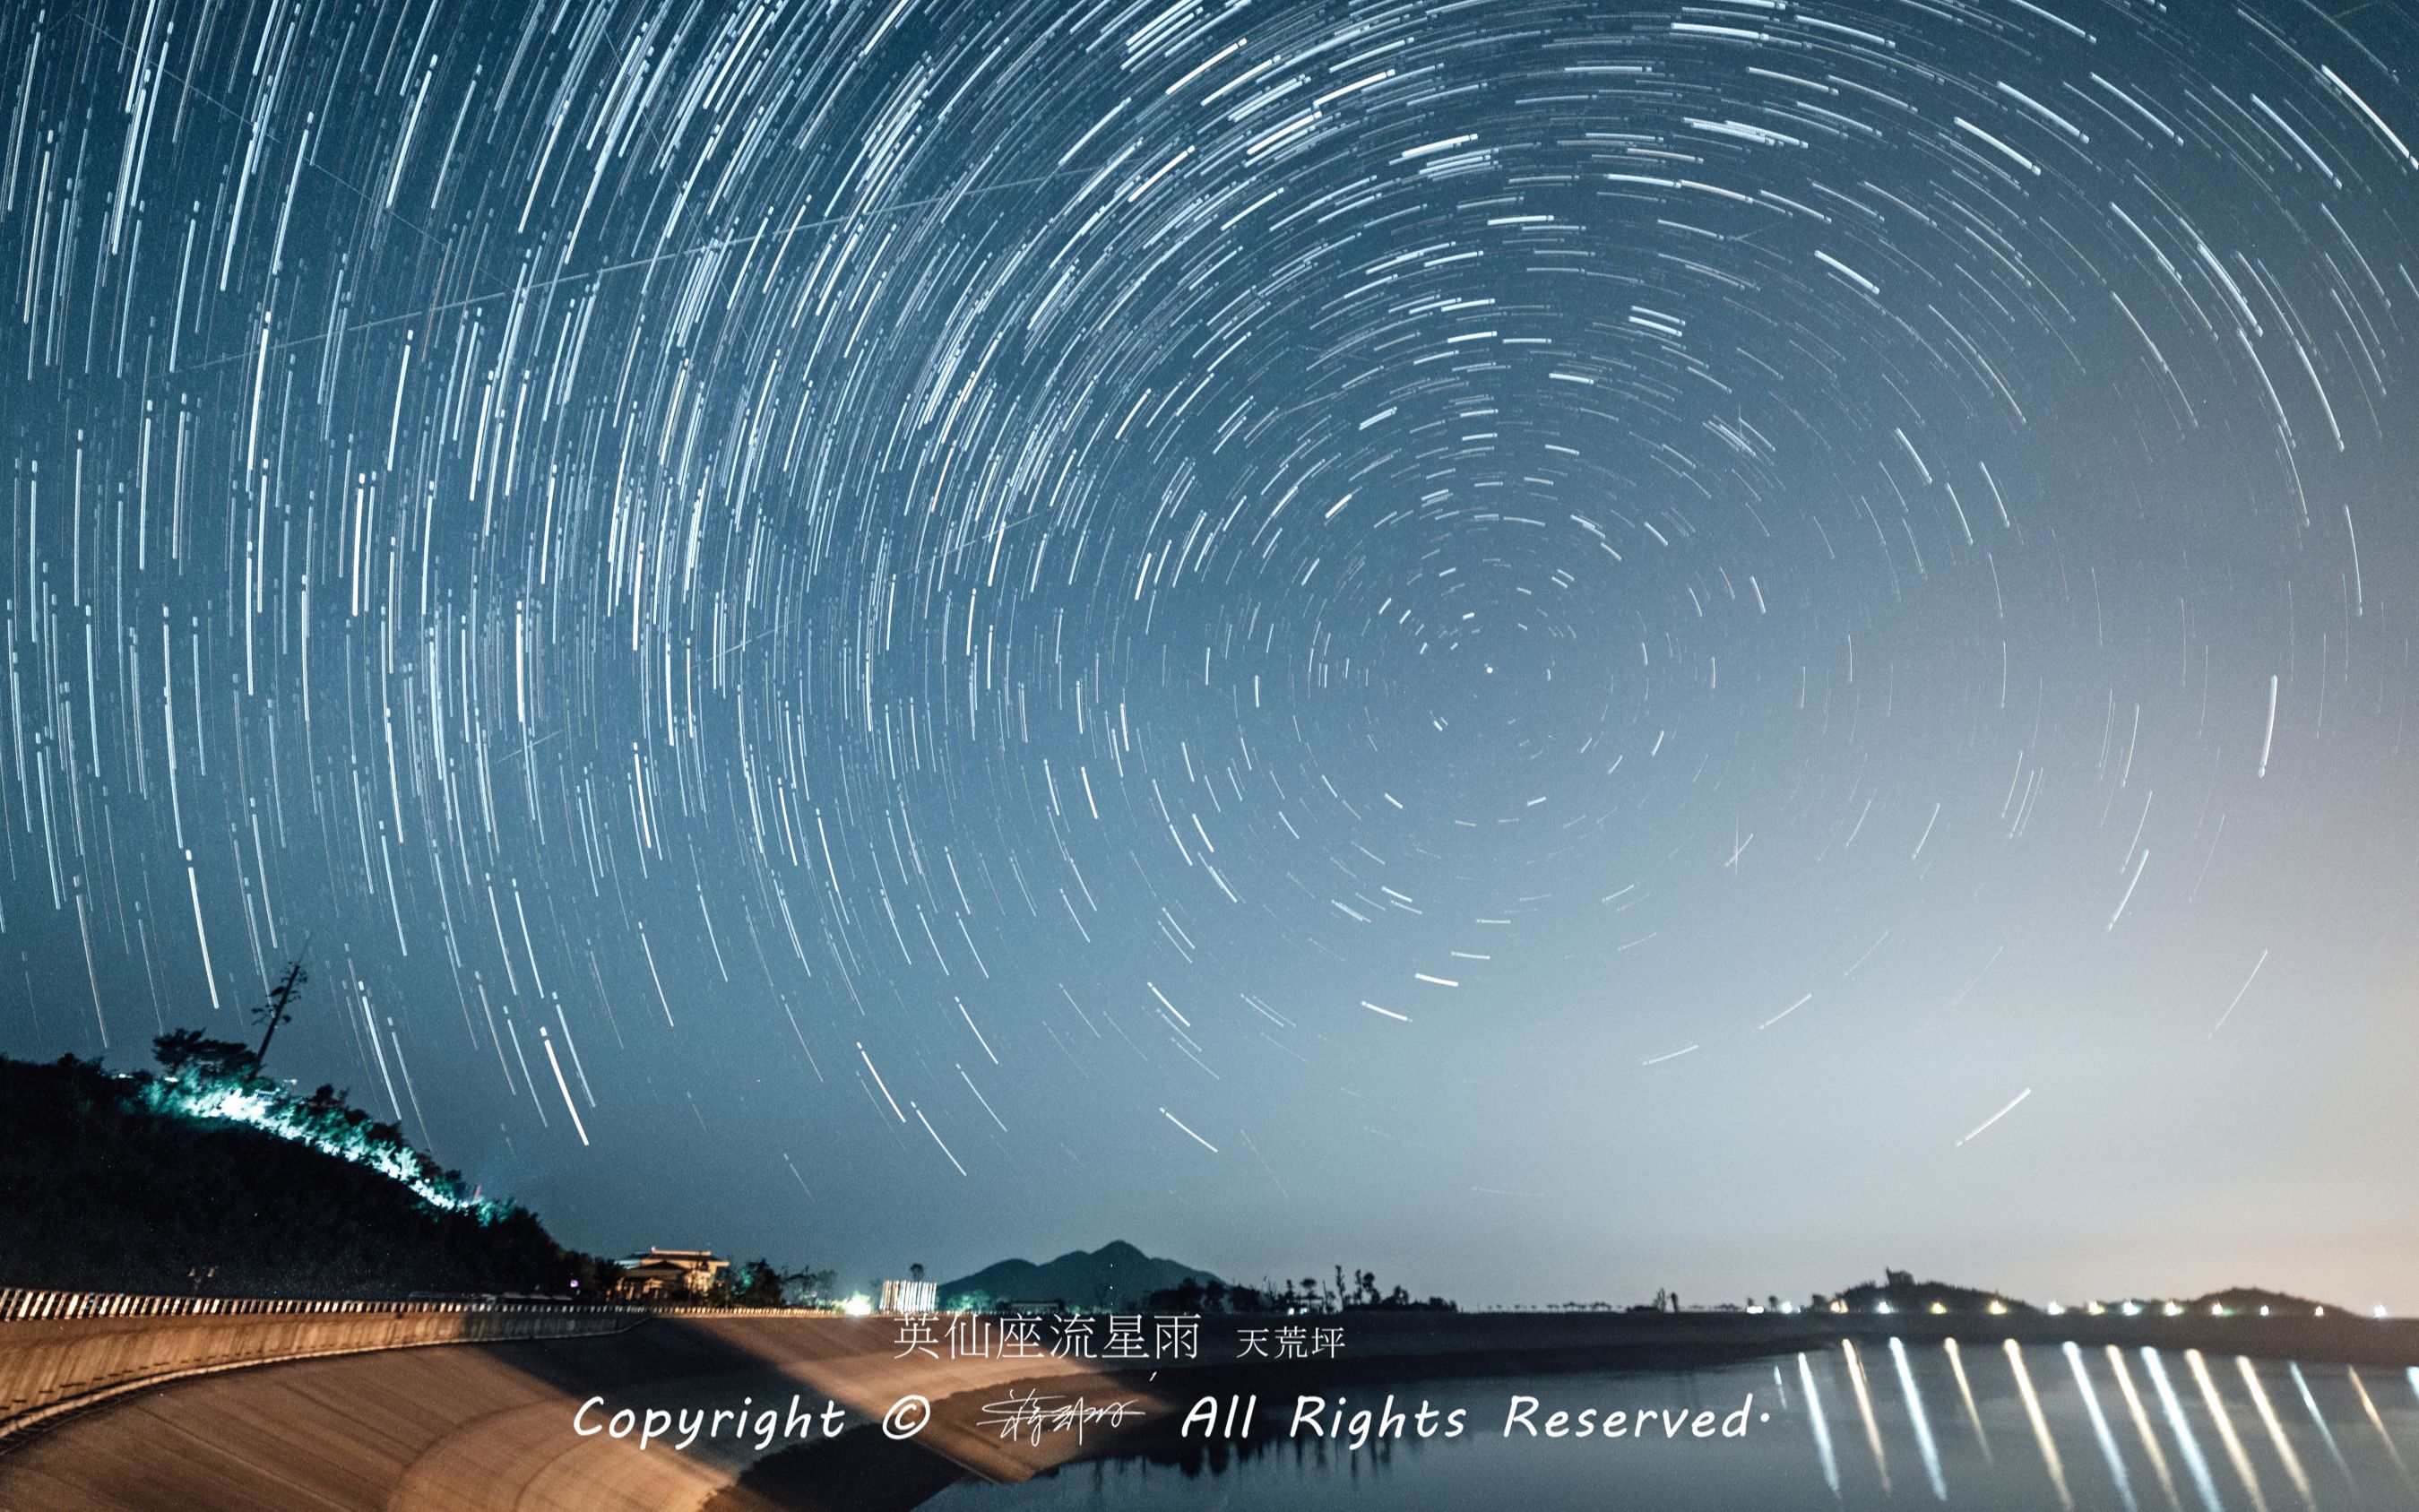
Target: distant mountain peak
x,y
1118,1274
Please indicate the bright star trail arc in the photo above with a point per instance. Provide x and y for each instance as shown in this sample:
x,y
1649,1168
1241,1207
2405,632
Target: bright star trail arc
x,y
692,553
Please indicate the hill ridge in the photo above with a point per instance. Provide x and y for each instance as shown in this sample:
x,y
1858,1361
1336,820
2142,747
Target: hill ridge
x,y
1118,1273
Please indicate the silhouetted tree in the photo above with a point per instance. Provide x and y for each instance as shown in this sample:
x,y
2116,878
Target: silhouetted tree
x,y
592,1277
758,1285
183,1052
275,1011
806,1285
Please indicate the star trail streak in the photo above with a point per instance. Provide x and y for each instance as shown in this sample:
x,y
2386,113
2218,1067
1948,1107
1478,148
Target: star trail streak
x,y
1099,543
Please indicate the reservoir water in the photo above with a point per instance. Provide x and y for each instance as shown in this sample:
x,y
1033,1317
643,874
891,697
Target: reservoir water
x,y
1982,1425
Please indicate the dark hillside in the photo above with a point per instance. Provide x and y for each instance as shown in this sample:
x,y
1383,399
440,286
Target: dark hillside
x,y
105,1185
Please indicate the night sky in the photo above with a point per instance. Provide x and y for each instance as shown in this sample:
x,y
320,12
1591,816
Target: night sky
x,y
1553,649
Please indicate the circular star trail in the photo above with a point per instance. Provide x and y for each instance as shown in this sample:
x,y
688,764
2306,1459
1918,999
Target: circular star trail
x,y
871,621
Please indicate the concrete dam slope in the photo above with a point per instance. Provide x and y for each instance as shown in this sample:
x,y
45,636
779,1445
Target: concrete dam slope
x,y
496,1426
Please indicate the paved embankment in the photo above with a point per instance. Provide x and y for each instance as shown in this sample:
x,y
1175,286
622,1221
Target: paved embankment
x,y
491,1424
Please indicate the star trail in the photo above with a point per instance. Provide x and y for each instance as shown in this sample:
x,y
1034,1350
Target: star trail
x,y
1549,642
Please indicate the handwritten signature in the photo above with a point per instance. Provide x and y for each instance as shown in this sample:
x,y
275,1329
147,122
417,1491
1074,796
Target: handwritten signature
x,y
1029,1416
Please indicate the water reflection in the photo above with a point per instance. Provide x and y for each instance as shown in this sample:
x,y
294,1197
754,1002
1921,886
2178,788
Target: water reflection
x,y
2319,1421
2285,1454
2040,1425
2112,1430
1919,1419
2378,1422
2225,1430
1821,1429
2100,1428
2182,1431
1965,1392
1865,1405
2150,1450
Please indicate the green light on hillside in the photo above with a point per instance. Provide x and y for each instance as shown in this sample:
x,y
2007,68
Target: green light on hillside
x,y
258,1107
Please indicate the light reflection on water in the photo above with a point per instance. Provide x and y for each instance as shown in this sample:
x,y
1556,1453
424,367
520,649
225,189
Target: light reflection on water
x,y
2082,1431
